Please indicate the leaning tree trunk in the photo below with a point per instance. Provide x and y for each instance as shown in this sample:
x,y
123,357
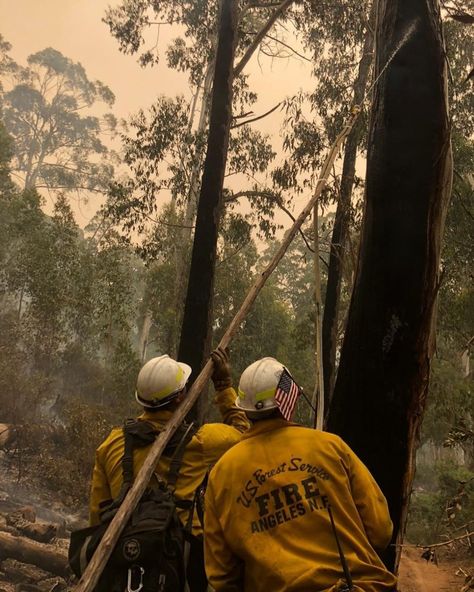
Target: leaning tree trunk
x,y
196,330
341,223
381,388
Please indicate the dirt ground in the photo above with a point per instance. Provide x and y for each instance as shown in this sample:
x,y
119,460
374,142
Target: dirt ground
x,y
418,575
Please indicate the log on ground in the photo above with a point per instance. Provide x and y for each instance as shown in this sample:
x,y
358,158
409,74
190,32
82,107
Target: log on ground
x,y
38,554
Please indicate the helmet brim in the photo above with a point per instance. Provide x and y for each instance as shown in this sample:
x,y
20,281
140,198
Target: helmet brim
x,y
255,413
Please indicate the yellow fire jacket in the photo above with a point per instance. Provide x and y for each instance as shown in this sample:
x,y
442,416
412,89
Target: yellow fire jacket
x,y
267,526
202,452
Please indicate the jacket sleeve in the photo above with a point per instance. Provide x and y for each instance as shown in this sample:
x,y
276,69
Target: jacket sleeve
x,y
223,569
370,502
216,438
231,414
100,491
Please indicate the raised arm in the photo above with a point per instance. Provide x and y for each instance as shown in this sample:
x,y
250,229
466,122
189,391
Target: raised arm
x,y
225,394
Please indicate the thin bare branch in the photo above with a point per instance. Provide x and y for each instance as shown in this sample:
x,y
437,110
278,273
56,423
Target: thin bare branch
x,y
292,49
260,35
232,255
243,115
256,118
464,536
274,55
57,187
277,200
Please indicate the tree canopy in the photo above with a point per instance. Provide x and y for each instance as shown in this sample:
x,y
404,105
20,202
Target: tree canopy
x,y
45,105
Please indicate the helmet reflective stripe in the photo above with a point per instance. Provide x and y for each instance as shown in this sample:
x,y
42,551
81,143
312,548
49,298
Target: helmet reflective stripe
x,y
264,395
159,379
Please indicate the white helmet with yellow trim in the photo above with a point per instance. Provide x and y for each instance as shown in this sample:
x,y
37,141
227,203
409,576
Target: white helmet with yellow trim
x,y
257,387
160,381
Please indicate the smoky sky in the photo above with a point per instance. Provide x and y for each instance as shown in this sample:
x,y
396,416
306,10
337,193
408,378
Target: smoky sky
x,y
75,28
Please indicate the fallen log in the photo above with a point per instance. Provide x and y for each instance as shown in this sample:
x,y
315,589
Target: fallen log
x,y
24,520
12,434
5,527
51,560
17,571
40,531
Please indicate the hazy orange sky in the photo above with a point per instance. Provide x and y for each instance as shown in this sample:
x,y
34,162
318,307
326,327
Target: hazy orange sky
x,y
74,27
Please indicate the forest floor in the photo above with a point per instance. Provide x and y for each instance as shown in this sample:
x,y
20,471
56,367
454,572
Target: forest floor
x,y
418,575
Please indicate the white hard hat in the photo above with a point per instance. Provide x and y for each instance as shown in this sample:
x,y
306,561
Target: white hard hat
x,y
160,380
258,385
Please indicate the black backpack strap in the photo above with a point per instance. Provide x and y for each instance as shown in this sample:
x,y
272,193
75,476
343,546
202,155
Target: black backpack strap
x,y
345,568
137,434
197,504
177,458
127,458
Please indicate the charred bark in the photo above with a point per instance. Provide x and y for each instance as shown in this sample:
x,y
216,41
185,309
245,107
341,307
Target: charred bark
x,y
196,330
381,388
341,224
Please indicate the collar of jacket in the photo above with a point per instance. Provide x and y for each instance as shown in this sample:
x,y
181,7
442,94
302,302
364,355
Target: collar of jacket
x,y
160,418
267,425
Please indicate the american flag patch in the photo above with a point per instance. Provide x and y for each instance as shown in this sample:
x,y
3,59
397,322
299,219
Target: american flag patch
x,y
286,395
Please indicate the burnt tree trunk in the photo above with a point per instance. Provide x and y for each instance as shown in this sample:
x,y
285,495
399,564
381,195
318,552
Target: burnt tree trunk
x,y
341,224
381,388
196,330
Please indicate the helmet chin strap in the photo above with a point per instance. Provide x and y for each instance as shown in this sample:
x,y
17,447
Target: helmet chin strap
x,y
161,404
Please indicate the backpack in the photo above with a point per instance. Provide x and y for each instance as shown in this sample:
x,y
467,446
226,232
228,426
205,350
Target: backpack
x,y
150,553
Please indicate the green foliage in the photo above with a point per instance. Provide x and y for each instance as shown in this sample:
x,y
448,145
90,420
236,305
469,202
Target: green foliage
x,y
68,363
130,20
460,49
64,300
450,400
21,386
6,153
164,155
45,107
280,324
442,501
334,34
63,455
165,146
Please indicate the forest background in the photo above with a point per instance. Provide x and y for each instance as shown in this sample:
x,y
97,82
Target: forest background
x,y
84,304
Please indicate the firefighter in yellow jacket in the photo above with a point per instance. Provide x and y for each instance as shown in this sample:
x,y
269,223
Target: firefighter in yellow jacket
x,y
161,386
270,500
